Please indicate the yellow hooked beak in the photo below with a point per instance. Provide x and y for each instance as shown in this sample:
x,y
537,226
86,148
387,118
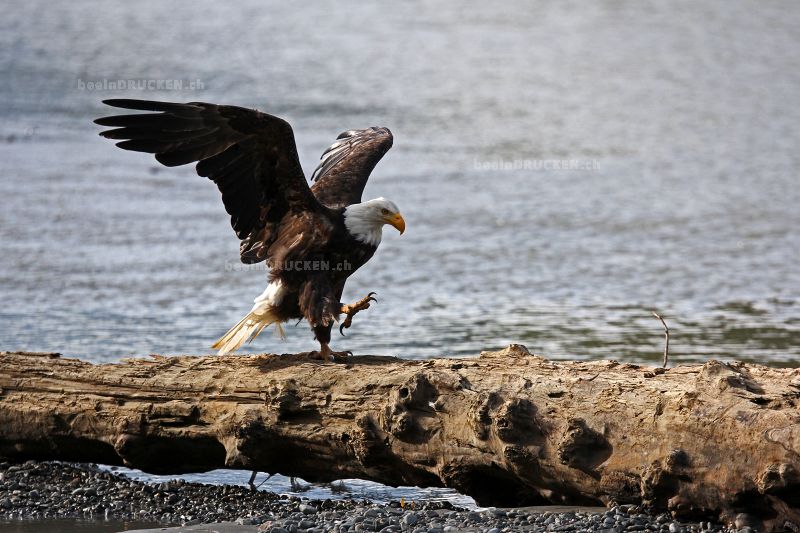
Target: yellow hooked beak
x,y
397,221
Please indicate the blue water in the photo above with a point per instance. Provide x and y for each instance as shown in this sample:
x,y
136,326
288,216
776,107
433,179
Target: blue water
x,y
346,488
682,119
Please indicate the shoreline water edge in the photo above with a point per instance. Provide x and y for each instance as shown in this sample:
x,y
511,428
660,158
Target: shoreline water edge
x,y
46,491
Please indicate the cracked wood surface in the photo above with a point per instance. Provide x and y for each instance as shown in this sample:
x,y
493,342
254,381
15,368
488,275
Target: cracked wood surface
x,y
507,428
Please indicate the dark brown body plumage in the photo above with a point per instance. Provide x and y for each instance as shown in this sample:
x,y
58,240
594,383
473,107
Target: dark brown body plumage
x,y
317,281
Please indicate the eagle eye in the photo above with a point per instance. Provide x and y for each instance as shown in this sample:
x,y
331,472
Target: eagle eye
x,y
385,211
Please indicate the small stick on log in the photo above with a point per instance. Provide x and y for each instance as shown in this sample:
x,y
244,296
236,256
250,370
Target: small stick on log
x,y
666,339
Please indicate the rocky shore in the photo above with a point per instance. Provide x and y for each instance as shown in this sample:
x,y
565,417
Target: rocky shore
x,y
52,490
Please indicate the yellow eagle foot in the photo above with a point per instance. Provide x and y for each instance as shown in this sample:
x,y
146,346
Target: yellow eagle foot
x,y
326,354
351,310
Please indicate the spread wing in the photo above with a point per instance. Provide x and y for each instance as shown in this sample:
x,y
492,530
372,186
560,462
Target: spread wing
x,y
251,156
346,165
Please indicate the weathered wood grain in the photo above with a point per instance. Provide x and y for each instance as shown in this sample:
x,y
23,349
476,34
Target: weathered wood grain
x,y
507,428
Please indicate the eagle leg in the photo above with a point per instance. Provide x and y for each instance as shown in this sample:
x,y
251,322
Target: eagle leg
x,y
326,354
351,310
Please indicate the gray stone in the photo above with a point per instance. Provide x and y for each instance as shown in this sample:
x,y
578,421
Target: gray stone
x,y
410,519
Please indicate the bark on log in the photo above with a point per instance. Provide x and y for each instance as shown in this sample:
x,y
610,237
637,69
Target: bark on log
x,y
507,428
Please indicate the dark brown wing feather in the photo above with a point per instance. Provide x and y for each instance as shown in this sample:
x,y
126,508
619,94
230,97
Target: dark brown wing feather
x,y
251,156
346,165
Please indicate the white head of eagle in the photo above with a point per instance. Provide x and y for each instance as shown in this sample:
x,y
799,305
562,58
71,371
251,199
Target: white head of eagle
x,y
365,221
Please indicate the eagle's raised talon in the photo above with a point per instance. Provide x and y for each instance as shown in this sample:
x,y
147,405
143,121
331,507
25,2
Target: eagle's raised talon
x,y
351,310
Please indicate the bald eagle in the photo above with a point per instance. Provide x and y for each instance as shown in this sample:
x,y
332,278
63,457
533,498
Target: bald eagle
x,y
312,238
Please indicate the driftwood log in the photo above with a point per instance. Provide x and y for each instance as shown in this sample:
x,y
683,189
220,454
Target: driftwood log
x,y
508,428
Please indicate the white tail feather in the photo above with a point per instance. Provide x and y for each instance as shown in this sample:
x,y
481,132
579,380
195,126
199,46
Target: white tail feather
x,y
262,315
248,329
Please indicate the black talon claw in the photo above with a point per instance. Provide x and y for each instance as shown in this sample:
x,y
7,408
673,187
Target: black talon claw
x,y
347,321
341,356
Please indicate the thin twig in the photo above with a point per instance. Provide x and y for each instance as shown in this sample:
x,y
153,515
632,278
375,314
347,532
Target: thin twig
x,y
252,482
666,338
269,476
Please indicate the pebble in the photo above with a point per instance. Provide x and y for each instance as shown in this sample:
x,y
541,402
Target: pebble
x,y
48,490
410,519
